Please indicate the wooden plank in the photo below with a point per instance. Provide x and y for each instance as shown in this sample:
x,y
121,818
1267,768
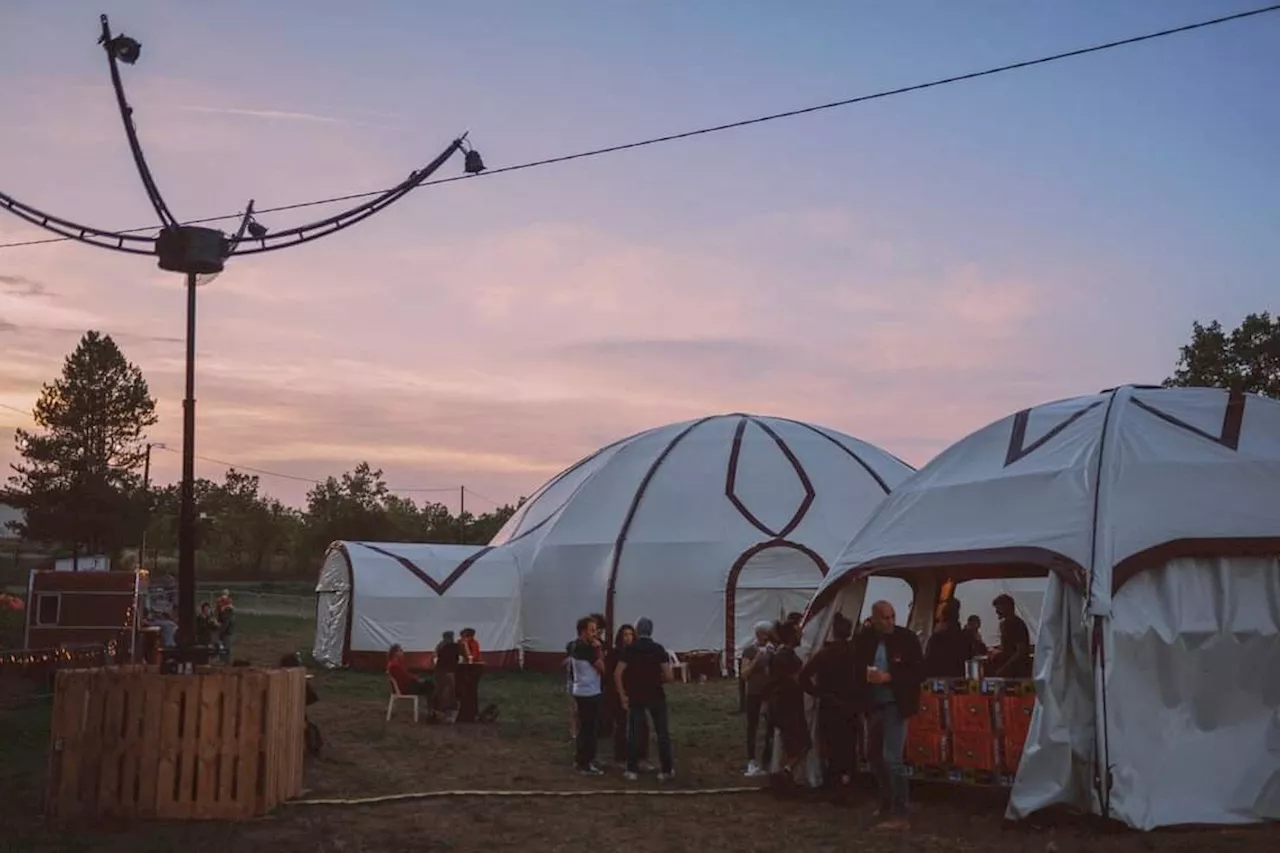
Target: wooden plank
x,y
228,747
113,699
90,751
169,748
248,760
270,746
206,748
299,747
150,735
70,697
131,741
189,747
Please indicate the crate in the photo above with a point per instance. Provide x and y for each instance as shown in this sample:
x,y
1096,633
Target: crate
x,y
971,712
932,716
1015,715
975,751
1011,751
220,744
926,749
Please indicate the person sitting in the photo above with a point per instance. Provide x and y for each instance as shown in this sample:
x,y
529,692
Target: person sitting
x,y
469,646
406,682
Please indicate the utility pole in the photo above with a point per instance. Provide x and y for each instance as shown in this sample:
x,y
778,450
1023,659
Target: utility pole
x,y
462,515
146,497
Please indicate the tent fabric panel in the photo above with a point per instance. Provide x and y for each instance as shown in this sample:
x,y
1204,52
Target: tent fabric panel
x,y
333,606
1193,657
418,624
1058,756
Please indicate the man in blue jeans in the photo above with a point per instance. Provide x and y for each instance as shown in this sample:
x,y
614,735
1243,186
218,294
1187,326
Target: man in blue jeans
x,y
643,668
888,666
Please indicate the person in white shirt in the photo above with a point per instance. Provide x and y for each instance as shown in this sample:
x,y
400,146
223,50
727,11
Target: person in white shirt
x,y
586,659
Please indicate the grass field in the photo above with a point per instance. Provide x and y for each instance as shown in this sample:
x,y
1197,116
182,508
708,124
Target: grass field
x,y
528,750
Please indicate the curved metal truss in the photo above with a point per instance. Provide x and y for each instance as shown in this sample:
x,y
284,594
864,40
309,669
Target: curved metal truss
x,y
190,249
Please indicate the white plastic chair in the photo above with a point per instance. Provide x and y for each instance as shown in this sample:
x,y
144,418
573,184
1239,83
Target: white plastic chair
x,y
678,667
397,696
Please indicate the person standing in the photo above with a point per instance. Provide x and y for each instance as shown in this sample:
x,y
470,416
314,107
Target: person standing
x,y
888,665
1013,657
754,673
828,677
949,647
643,669
786,703
447,654
613,702
586,667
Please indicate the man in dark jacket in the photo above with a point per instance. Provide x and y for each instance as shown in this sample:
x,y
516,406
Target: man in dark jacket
x,y
888,670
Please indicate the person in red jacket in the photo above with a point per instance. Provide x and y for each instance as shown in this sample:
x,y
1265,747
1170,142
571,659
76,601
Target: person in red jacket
x,y
407,683
888,667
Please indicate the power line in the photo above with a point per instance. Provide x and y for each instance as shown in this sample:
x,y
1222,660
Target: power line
x,y
266,473
595,152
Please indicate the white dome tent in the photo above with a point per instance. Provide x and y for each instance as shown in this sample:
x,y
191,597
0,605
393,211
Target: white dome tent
x,y
705,526
371,595
1155,514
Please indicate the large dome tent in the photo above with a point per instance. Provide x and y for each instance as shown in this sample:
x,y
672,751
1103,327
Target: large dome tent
x,y
1154,516
706,526
371,595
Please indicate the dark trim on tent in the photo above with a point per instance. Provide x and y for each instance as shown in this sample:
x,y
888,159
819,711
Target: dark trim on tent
x,y
731,585
875,475
1179,549
621,541
441,587
731,480
978,564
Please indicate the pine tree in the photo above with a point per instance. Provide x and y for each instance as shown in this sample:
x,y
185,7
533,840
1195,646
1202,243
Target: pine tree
x,y
78,481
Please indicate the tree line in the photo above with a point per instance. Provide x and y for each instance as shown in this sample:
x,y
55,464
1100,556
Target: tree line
x,y
80,485
79,482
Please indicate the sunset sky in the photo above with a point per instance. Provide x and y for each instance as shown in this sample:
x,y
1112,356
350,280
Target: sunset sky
x,y
905,270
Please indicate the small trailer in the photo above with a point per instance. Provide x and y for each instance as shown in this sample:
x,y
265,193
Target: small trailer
x,y
70,609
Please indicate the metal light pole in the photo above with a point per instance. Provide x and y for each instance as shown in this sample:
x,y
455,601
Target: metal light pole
x,y
146,494
194,252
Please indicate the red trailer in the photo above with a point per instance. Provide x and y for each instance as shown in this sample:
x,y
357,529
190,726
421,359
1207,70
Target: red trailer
x,y
72,609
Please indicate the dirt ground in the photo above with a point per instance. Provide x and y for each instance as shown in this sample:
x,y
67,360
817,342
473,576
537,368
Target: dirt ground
x,y
528,750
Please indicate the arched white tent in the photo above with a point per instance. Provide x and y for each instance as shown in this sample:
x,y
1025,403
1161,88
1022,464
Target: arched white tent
x,y
373,594
705,526
1155,514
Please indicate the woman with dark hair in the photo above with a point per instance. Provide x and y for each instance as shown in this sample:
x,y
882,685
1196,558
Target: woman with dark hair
x,y
613,702
786,703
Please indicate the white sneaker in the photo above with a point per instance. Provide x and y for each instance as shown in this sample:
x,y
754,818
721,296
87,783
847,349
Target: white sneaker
x,y
666,777
630,776
590,771
753,768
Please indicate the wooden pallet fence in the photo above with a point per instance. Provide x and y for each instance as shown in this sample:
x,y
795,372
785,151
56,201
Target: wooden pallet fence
x,y
221,744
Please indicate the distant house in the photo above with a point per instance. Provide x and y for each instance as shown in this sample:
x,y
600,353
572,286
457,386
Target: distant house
x,y
8,514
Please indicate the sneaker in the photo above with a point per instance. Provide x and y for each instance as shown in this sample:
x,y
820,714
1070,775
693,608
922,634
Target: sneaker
x,y
666,777
630,775
645,767
590,771
595,765
894,824
754,770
